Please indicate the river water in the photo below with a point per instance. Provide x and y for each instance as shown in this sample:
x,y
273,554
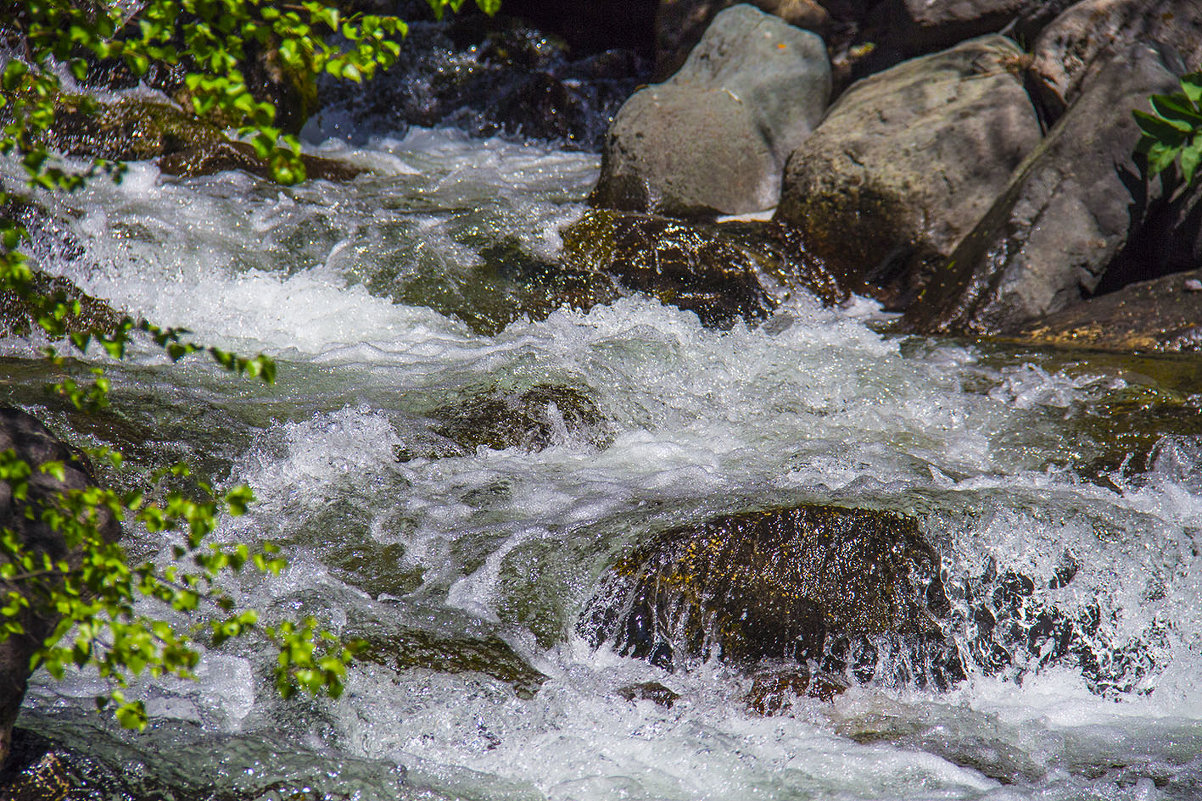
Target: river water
x,y
375,300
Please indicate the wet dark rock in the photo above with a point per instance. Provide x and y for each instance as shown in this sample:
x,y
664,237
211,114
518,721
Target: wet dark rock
x,y
842,587
35,770
591,26
414,648
36,445
907,162
651,691
531,420
713,138
723,273
680,24
1066,216
1075,48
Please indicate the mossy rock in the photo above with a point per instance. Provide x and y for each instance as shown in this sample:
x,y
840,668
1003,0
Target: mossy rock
x,y
530,420
811,582
723,273
491,656
139,130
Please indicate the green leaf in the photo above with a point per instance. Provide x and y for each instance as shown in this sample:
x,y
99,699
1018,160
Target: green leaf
x,y
1191,87
1178,110
1160,129
1191,155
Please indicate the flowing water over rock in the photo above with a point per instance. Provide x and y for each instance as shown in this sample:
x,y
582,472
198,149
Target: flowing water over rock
x,y
1060,493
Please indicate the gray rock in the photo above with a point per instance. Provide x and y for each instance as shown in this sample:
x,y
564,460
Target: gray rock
x,y
714,137
1072,50
35,444
680,24
907,162
907,28
1068,212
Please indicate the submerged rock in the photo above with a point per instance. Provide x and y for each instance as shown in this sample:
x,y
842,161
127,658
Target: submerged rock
x,y
851,589
1067,213
530,420
713,138
490,655
723,273
907,162
36,445
651,691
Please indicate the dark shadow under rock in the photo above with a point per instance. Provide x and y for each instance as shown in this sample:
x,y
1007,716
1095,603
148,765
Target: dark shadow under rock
x,y
723,273
856,591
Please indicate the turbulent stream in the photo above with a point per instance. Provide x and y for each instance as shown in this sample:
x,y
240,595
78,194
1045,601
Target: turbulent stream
x,y
468,570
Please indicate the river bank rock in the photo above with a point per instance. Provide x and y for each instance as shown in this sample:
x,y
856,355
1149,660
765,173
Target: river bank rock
x,y
36,445
906,163
1078,45
1066,215
139,130
680,24
713,138
822,583
1159,316
907,28
723,273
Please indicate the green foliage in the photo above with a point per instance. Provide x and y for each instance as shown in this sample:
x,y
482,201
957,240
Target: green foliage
x,y
1173,133
93,593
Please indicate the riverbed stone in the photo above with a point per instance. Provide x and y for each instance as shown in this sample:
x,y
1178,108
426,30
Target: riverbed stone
x,y
680,24
908,28
803,583
1074,48
36,445
713,138
907,162
724,273
1068,212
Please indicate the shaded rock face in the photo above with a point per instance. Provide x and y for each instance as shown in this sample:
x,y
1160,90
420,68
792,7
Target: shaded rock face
x,y
856,591
1067,213
591,25
35,444
712,270
907,28
1159,316
531,420
907,162
714,137
680,24
487,77
1078,45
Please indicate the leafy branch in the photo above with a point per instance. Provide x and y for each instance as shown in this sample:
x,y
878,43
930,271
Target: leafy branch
x,y
1173,133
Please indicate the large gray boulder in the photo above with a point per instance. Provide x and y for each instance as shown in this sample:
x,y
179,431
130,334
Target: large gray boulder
x,y
680,24
33,443
714,137
1067,214
1074,48
907,162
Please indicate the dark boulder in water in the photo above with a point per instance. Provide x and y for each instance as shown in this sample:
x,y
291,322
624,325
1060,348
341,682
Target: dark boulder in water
x,y
531,420
850,589
723,273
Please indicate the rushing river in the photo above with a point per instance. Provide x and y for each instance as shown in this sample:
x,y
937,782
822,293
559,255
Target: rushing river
x,y
370,295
